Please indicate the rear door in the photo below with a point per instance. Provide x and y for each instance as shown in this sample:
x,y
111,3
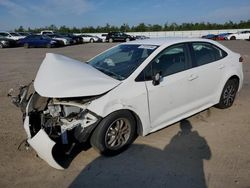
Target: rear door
x,y
208,68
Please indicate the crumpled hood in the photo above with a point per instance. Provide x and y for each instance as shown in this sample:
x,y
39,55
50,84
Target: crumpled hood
x,y
61,77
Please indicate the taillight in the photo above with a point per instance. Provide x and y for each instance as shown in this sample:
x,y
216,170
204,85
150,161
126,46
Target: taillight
x,y
241,59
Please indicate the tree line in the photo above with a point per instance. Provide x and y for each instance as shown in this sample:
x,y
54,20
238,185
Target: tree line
x,y
142,27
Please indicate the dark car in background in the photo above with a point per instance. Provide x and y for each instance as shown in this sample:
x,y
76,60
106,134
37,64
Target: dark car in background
x,y
118,37
222,36
7,43
24,33
209,36
38,41
75,39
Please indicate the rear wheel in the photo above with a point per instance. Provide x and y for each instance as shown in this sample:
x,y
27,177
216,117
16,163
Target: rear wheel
x,y
233,38
1,45
91,40
110,40
115,133
48,46
127,39
228,94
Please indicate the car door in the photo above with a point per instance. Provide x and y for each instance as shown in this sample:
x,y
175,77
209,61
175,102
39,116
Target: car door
x,y
208,67
170,98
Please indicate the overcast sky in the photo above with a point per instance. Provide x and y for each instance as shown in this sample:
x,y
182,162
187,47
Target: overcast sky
x,y
81,13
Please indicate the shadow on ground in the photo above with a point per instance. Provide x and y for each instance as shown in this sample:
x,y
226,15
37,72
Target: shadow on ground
x,y
180,164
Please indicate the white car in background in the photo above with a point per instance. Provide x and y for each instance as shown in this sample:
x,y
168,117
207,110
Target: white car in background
x,y
134,88
244,35
64,40
11,35
90,38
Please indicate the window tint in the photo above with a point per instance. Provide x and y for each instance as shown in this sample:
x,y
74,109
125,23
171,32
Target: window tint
x,y
170,61
205,53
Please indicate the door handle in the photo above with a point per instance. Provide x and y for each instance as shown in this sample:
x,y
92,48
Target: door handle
x,y
221,66
193,77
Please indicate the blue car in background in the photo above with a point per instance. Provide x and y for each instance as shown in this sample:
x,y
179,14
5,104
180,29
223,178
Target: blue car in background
x,y
38,41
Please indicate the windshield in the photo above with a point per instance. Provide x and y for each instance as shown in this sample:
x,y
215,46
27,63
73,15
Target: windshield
x,y
121,61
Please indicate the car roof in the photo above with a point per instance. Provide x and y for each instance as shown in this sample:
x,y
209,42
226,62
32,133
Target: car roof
x,y
167,41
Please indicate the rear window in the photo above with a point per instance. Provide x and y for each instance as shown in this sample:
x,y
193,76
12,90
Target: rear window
x,y
205,53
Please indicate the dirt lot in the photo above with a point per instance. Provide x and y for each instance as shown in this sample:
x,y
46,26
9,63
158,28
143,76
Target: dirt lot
x,y
214,153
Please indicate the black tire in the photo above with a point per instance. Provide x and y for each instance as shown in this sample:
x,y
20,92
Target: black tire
x,y
233,38
48,45
91,40
1,45
228,94
110,40
114,133
127,39
26,45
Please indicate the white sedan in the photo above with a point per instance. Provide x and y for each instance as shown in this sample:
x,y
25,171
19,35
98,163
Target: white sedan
x,y
90,38
132,89
244,35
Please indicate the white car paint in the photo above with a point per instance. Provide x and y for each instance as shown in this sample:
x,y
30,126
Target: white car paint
x,y
243,35
11,35
79,78
90,38
155,106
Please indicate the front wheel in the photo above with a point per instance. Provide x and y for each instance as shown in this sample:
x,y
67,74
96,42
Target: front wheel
x,y
228,94
114,133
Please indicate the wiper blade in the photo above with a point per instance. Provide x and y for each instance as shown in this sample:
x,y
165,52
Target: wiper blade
x,y
110,73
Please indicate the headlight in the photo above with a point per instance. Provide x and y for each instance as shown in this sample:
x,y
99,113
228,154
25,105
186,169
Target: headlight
x,y
5,42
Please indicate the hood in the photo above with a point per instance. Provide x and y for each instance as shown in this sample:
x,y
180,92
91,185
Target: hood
x,y
62,77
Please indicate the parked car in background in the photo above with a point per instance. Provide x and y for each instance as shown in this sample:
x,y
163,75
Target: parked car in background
x,y
75,39
141,37
7,43
64,40
134,88
118,37
46,32
209,36
90,38
24,33
11,35
103,37
38,41
222,36
244,35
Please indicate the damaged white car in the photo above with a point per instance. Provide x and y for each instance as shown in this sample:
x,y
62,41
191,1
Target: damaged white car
x,y
132,89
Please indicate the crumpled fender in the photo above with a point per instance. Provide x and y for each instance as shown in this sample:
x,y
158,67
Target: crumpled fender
x,y
43,145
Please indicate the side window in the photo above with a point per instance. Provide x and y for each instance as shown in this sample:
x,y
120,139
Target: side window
x,y
205,53
171,60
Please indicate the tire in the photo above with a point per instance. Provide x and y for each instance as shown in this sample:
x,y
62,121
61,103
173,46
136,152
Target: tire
x,y
228,94
1,45
114,133
233,38
91,40
26,45
110,40
127,39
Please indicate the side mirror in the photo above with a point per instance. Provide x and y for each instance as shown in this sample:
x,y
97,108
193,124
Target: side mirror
x,y
156,79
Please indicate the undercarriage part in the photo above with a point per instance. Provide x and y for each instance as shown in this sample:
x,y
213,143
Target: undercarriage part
x,y
20,100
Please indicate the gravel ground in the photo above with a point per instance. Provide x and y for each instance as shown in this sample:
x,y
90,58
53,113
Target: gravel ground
x,y
214,153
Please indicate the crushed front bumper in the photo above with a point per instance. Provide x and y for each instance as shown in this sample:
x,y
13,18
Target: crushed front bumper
x,y
42,144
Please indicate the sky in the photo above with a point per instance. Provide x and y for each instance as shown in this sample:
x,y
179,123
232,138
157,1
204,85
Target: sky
x,y
82,13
